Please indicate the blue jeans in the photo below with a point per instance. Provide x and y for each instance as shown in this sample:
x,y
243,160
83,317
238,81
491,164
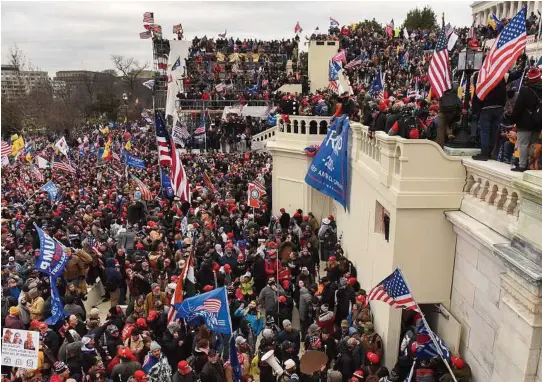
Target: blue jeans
x,y
489,125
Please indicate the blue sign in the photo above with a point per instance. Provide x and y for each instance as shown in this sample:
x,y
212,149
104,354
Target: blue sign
x,y
57,309
328,172
272,120
211,307
135,161
51,189
166,185
51,259
100,153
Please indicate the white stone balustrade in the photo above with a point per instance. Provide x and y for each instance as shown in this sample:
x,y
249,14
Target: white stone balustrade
x,y
490,196
304,125
259,141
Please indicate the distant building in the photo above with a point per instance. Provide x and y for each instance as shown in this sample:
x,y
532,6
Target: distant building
x,y
16,83
502,9
80,77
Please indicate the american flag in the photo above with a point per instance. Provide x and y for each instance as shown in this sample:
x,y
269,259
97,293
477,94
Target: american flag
x,y
377,89
115,156
449,29
333,22
37,174
180,130
145,35
334,86
472,33
162,140
208,182
179,179
389,29
201,129
146,193
62,166
427,348
503,54
6,148
394,292
148,17
439,68
354,63
211,305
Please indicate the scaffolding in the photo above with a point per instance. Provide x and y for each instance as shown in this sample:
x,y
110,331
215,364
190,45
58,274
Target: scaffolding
x,y
160,51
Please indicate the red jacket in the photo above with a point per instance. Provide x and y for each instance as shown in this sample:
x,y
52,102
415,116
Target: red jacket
x,y
271,268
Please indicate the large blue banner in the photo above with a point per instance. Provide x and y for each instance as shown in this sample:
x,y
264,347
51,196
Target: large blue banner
x,y
328,172
57,309
166,185
51,189
135,161
52,258
211,307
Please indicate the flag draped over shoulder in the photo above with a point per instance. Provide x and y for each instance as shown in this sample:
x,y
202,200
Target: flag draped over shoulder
x,y
146,193
211,307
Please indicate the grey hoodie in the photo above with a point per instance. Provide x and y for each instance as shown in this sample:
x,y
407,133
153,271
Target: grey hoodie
x,y
304,303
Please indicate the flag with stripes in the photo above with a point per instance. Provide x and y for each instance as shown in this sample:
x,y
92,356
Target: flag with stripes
x,y
439,68
340,57
6,148
145,35
429,345
389,29
201,129
185,282
148,17
36,174
377,88
115,156
208,183
146,193
63,166
354,63
333,22
259,185
179,179
449,29
162,140
472,33
334,86
394,292
503,54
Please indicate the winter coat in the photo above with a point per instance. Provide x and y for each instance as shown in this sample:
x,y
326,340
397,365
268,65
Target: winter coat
x,y
125,370
13,322
36,309
268,297
113,278
304,304
151,302
178,377
255,320
526,102
77,265
213,372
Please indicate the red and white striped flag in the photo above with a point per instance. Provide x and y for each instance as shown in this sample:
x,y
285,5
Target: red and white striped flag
x,y
162,140
394,291
145,35
115,156
148,17
340,57
179,179
6,149
439,68
259,185
208,182
35,172
146,193
62,166
503,54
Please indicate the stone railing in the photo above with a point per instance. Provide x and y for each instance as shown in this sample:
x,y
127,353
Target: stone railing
x,y
490,195
259,141
304,125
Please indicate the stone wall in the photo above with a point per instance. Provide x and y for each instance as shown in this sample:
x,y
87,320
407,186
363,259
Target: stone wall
x,y
475,304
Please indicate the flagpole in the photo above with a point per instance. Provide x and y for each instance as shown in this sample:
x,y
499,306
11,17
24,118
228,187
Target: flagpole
x,y
31,196
431,334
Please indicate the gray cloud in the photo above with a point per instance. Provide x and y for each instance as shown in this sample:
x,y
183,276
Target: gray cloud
x,y
83,35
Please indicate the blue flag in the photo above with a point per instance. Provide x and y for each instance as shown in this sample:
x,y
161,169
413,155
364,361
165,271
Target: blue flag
x,y
272,120
211,307
337,66
135,161
166,184
378,85
51,189
92,149
100,153
333,73
328,172
234,362
427,349
52,258
57,309
176,64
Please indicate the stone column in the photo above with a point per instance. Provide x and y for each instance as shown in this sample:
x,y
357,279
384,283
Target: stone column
x,y
518,347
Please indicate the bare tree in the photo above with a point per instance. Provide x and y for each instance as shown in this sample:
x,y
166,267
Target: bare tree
x,y
129,69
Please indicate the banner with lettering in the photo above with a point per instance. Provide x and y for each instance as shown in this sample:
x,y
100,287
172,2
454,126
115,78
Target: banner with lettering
x,y
51,258
328,172
135,162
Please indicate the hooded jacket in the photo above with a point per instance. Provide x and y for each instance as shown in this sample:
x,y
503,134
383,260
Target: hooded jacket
x,y
528,99
304,303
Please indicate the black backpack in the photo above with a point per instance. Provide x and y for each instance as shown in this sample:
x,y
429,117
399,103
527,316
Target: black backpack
x,y
449,102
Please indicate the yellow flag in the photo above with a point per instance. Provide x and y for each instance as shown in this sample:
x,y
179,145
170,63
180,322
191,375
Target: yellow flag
x,y
128,146
255,57
220,57
234,57
29,158
105,130
17,145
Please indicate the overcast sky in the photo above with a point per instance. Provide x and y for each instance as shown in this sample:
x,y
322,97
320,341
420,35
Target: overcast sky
x,y
83,35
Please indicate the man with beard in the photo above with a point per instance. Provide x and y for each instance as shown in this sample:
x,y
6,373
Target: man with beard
x,y
290,334
143,278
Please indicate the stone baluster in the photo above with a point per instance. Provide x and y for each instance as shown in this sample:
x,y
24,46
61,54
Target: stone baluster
x,y
511,203
500,198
